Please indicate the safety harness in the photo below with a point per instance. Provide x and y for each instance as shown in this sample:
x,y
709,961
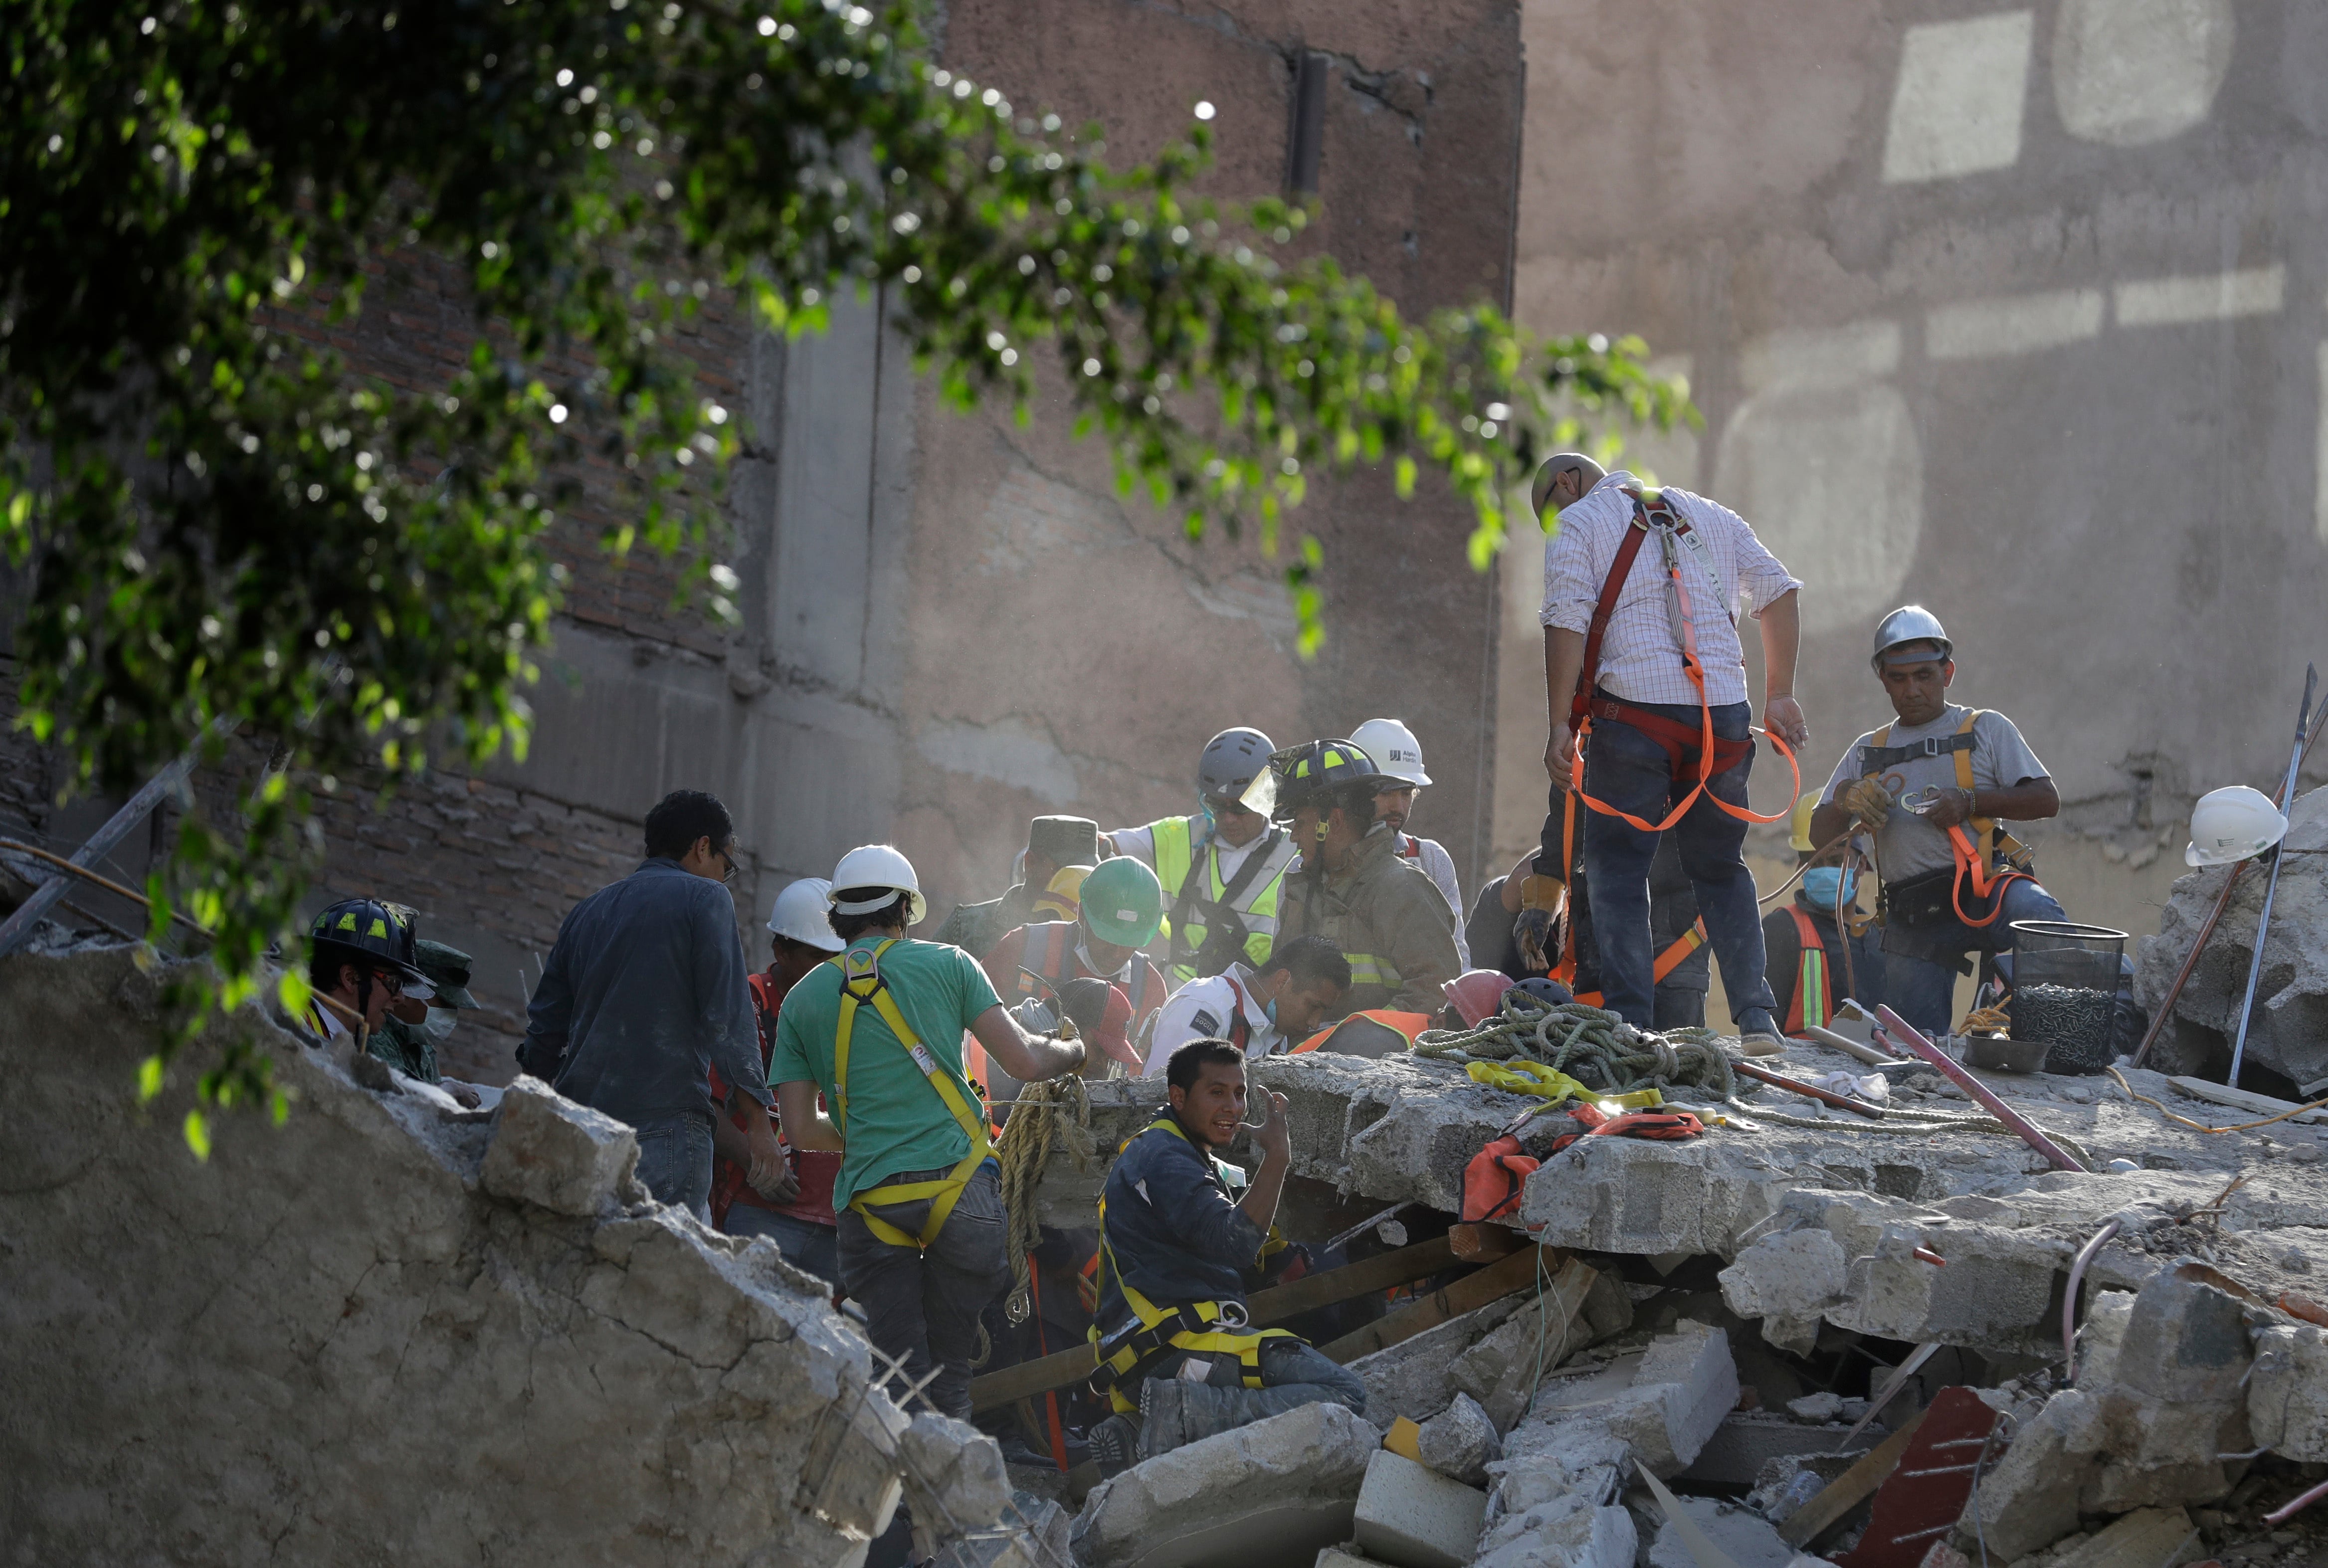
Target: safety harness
x,y
1999,859
1235,902
1653,514
1671,959
862,985
1202,1328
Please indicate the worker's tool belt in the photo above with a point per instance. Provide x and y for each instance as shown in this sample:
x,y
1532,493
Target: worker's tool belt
x,y
1682,741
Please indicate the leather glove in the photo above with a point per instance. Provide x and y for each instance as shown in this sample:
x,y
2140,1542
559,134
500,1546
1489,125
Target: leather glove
x,y
1867,800
1534,933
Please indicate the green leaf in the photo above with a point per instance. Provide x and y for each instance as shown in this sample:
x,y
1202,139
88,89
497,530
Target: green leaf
x,y
197,1134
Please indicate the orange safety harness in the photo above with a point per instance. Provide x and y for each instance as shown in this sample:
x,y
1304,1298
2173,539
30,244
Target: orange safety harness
x,y
1671,959
1999,859
1652,514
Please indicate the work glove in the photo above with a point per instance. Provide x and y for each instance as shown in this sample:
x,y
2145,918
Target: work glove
x,y
1867,800
1534,933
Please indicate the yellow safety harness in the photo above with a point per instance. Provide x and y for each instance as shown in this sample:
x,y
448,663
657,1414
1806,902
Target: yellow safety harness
x,y
1216,1327
862,985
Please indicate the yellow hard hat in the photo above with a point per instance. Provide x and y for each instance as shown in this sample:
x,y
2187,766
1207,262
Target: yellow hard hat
x,y
1799,840
1063,896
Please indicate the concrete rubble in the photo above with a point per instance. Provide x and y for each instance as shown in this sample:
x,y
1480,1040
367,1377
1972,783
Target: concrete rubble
x,y
2289,1031
388,1277
1276,1491
392,1330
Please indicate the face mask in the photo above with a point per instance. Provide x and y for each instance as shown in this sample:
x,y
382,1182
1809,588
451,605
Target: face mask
x,y
1823,884
1269,1011
440,1022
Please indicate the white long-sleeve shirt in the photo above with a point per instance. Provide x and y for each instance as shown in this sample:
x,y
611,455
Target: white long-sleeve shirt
x,y
1639,659
1432,858
1202,1009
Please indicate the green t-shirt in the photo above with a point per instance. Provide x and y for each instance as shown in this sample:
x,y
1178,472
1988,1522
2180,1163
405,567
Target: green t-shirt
x,y
895,1120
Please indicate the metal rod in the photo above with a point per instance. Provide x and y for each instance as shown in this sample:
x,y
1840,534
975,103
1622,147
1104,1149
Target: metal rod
x,y
17,846
2070,1300
1900,1031
2263,921
101,843
1808,1091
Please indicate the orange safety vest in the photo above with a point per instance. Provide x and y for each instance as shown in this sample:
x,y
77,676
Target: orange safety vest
x,y
1814,1003
1373,1032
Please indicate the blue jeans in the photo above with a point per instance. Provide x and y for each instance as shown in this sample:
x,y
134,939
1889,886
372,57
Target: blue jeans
x,y
1627,769
1292,1374
1922,991
675,1163
805,1244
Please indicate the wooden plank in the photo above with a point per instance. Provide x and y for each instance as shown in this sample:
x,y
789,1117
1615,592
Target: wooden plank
x,y
1273,1305
1473,1291
2245,1100
1851,1488
1484,1244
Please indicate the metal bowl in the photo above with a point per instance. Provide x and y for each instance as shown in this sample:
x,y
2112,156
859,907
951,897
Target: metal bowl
x,y
2005,1056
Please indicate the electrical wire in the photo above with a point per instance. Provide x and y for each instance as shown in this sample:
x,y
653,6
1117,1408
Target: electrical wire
x,y
2201,1126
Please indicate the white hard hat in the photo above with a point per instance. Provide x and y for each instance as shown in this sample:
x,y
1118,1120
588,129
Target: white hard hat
x,y
878,866
800,913
2232,824
1393,746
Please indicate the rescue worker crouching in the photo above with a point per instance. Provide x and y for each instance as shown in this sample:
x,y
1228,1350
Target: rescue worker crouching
x,y
1351,885
1815,959
1178,1230
1222,867
1263,1011
1933,787
878,1030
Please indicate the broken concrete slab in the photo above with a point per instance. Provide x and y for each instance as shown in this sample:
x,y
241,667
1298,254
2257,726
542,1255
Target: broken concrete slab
x,y
1411,1516
2287,1397
1787,1280
547,1149
1505,1368
2145,1538
1410,1378
1273,1492
1744,1538
1685,1383
1038,1537
333,1338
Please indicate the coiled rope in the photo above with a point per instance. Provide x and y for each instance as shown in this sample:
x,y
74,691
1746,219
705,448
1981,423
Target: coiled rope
x,y
1590,1044
1046,1115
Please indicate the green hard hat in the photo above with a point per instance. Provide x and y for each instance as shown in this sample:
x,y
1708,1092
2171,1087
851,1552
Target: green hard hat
x,y
1122,902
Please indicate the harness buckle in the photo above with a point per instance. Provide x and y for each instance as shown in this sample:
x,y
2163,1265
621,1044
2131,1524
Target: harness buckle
x,y
1231,1315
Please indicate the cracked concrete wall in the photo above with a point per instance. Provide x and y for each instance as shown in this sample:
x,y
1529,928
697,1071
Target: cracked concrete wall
x,y
331,1344
2018,314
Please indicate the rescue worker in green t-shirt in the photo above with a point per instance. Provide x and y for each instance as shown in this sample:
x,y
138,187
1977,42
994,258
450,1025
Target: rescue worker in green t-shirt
x,y
1223,868
878,1030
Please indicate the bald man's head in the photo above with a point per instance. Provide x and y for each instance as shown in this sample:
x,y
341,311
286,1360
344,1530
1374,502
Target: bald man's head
x,y
1579,473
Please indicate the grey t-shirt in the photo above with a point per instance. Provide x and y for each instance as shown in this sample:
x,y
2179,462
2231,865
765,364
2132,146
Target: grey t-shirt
x,y
1907,845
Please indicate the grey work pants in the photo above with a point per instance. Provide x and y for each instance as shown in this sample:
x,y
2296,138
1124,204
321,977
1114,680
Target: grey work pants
x,y
1293,1375
922,1305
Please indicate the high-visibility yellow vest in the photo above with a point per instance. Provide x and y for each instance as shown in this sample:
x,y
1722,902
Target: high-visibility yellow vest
x,y
1176,856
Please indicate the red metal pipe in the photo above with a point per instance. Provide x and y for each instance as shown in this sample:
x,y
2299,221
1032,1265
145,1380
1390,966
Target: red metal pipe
x,y
1901,1032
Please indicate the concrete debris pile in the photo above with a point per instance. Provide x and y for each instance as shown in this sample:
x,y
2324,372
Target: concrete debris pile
x,y
392,1330
396,1327
2288,1032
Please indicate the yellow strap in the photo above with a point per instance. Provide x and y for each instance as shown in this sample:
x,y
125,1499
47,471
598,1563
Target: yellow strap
x,y
1984,826
861,982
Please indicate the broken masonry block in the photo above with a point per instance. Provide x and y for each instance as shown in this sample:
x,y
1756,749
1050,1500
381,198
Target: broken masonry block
x,y
1035,1536
2145,1538
1275,1491
1411,1377
1459,1441
1748,1442
1793,1277
1816,1409
1411,1516
1603,1536
2287,1397
951,1475
1745,1538
1685,1383
2027,1498
548,1152
1504,1369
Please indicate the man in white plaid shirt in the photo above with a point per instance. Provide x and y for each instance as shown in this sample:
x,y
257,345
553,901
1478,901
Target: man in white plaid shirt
x,y
1643,757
